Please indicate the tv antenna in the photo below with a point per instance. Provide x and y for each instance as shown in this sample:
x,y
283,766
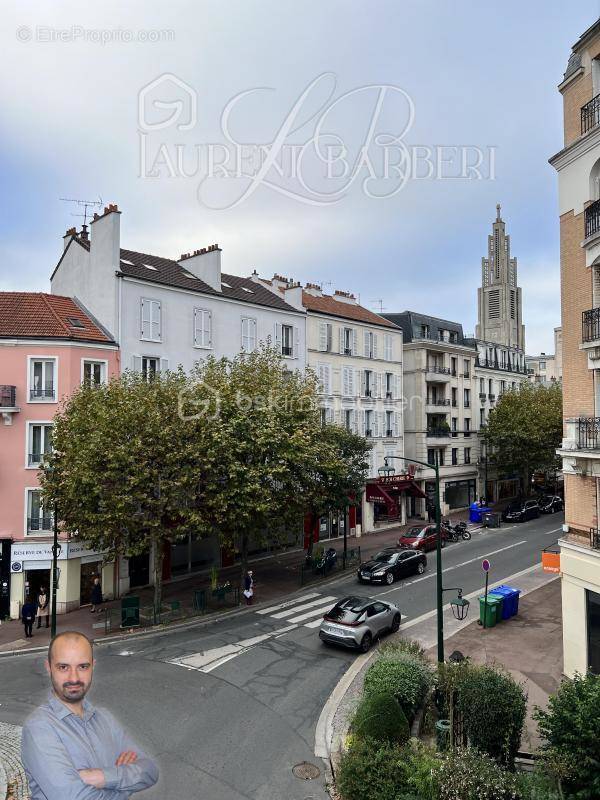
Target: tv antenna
x,y
380,302
85,203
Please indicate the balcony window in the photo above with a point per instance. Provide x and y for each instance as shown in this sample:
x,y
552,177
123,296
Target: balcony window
x,y
592,219
467,426
287,340
39,443
38,520
367,383
42,380
370,344
467,455
348,342
348,419
589,433
389,423
454,456
93,372
467,398
368,423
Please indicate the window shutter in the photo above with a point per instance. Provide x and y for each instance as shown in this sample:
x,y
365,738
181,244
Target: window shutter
x,y
278,337
208,328
329,342
329,415
363,382
296,344
341,333
351,391
379,384
367,348
164,364
354,342
137,363
323,336
195,332
328,378
375,337
338,416
346,381
363,416
353,421
145,319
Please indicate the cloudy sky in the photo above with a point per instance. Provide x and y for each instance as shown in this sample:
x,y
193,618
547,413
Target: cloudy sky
x,y
265,126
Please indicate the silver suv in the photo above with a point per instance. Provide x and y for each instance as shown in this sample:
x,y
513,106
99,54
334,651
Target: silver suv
x,y
358,621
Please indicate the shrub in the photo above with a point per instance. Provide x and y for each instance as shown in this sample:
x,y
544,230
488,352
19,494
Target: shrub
x,y
406,677
536,786
571,728
392,649
493,706
372,770
380,717
470,775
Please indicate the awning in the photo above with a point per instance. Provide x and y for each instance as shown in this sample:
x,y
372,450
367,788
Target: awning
x,y
386,489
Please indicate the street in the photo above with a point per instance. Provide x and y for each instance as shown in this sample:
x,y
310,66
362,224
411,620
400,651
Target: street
x,y
230,708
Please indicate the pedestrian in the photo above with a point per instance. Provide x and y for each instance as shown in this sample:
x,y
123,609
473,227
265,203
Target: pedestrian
x,y
96,598
28,616
430,513
69,748
43,607
249,587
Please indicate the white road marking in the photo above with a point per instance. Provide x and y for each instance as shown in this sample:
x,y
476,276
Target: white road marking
x,y
314,624
313,613
554,530
303,607
288,603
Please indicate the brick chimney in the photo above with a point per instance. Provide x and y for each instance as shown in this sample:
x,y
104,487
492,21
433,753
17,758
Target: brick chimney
x,y
280,282
204,264
105,247
314,289
68,236
344,297
293,295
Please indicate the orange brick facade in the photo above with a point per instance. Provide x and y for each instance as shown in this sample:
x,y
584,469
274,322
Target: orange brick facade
x,y
581,512
575,95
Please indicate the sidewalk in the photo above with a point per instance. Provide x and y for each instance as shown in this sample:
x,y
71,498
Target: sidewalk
x,y
276,577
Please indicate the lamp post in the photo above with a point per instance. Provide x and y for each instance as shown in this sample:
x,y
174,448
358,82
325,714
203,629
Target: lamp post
x,y
462,605
55,553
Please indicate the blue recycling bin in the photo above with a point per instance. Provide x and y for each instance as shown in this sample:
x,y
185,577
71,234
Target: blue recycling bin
x,y
510,607
476,511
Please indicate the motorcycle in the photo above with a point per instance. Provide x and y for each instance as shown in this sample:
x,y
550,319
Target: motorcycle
x,y
457,531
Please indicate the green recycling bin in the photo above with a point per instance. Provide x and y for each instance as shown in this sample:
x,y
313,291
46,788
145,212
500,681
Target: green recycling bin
x,y
499,607
442,734
488,611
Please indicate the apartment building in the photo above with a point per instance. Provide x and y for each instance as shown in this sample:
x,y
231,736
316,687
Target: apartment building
x,y
578,168
542,368
357,356
48,345
440,414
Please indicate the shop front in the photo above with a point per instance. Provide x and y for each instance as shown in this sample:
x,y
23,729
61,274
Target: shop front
x,y
77,566
460,494
388,499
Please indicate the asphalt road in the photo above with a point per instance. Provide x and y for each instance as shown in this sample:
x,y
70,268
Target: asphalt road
x,y
229,709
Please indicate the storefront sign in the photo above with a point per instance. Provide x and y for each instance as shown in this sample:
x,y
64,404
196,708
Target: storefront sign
x,y
42,551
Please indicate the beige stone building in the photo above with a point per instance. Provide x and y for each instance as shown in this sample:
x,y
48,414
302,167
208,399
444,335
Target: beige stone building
x,y
543,368
578,168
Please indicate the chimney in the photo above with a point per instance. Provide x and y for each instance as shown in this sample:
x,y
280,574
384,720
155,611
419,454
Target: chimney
x,y
84,234
280,282
204,264
105,247
344,297
68,236
293,296
314,289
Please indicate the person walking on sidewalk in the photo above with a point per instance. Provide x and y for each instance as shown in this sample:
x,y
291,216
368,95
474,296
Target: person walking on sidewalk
x,y
96,597
28,616
72,750
43,607
249,587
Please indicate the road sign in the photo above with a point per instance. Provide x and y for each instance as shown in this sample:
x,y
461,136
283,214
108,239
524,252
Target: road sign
x,y
485,565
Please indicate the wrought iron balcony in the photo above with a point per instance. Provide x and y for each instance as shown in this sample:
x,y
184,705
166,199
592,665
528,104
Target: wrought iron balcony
x,y
438,369
437,402
592,219
438,432
590,114
482,395
491,397
589,433
389,434
368,432
8,396
39,523
590,325
42,393
595,538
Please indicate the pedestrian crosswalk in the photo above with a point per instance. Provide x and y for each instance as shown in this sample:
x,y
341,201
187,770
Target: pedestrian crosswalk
x,y
306,610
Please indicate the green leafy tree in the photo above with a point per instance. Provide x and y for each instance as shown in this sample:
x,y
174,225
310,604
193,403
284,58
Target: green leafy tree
x,y
525,429
128,473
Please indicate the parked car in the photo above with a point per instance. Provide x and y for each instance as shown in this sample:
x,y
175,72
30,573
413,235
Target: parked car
x,y
357,621
392,563
521,511
550,504
421,537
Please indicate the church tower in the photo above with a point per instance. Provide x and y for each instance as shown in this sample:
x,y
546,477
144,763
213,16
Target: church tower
x,y
500,314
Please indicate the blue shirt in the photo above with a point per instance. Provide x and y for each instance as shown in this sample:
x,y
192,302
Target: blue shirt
x,y
57,743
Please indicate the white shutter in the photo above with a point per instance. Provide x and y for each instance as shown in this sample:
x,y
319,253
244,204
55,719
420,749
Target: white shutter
x,y
208,328
354,421
296,342
244,333
362,420
367,348
354,342
375,337
253,334
338,416
323,336
379,383
351,389
329,415
346,381
164,364
137,363
145,317
387,343
278,337
395,387
156,319
396,423
341,332
328,378
321,376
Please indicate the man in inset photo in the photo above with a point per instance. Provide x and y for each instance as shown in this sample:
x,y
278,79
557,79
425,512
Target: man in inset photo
x,y
72,750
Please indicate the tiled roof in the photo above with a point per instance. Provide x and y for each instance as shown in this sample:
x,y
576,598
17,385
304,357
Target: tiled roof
x,y
411,322
35,315
170,273
327,304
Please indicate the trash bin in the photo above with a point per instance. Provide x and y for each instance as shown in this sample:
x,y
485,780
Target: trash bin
x,y
499,607
476,511
491,519
511,600
442,734
491,612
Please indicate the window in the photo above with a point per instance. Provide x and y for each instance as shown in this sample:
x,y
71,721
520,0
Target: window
x,y
323,412
481,386
502,386
467,455
454,422
348,342
430,455
368,383
368,423
441,457
347,419
454,456
467,426
151,320
542,365
425,331
370,345
454,336
93,372
467,367
348,389
467,398
454,397
389,386
593,631
38,520
325,336
39,442
481,416
388,347
453,365
490,386
42,380
389,423
202,328
324,375
248,334
287,340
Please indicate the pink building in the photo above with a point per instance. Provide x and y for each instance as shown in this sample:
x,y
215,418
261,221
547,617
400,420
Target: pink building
x,y
48,345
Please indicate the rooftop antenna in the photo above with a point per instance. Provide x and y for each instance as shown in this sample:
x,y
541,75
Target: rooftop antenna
x,y
380,301
85,203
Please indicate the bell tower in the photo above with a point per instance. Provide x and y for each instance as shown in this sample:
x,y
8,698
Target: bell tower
x,y
500,315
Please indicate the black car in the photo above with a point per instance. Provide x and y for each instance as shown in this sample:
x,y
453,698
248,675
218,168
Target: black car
x,y
551,503
395,562
521,511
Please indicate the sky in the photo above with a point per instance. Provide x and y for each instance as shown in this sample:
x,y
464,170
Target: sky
x,y
359,145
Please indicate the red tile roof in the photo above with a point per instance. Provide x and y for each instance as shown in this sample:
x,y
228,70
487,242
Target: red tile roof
x,y
35,315
327,304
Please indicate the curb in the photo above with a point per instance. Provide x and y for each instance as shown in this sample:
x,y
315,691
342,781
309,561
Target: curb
x,y
325,745
3,782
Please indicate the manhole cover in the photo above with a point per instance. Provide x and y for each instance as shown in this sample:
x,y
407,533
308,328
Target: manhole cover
x,y
306,771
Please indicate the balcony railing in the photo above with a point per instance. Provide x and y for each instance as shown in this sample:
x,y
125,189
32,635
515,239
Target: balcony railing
x,y
389,433
8,396
482,395
491,397
439,370
595,538
467,404
590,325
590,114
592,219
438,432
43,393
369,432
436,402
589,433
33,459
39,523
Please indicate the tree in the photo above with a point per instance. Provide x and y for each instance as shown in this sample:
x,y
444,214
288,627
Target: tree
x,y
128,473
525,429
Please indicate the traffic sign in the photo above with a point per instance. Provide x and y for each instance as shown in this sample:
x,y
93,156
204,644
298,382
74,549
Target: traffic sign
x,y
485,565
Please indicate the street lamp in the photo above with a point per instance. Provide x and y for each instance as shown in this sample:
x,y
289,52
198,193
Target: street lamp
x,y
56,548
460,606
